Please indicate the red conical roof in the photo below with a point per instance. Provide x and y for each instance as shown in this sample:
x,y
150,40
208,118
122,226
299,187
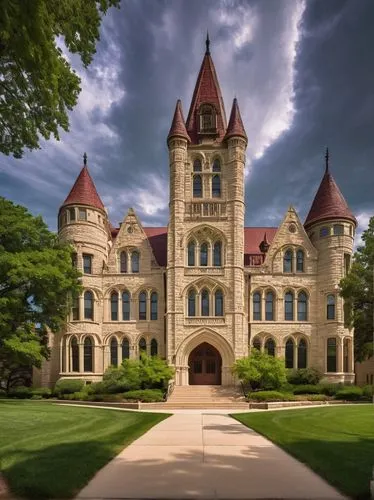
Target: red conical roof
x,y
329,203
207,91
84,191
235,127
178,127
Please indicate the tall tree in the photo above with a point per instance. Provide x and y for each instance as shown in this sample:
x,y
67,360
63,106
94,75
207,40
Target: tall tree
x,y
357,290
36,280
37,85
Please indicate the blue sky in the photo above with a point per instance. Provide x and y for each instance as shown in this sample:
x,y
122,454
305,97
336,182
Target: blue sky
x,y
303,73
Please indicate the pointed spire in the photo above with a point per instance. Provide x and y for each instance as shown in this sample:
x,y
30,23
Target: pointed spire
x,y
235,127
84,158
207,44
329,203
178,127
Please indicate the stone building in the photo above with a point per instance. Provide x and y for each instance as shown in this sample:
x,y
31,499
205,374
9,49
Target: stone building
x,y
205,289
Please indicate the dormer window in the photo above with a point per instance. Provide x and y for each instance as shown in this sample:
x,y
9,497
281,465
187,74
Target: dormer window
x,y
207,119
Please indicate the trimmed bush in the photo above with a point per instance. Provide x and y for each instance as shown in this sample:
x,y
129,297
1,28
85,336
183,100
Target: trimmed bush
x,y
44,392
306,389
368,391
271,396
94,388
20,392
68,386
317,397
260,371
329,389
304,376
36,396
352,393
145,395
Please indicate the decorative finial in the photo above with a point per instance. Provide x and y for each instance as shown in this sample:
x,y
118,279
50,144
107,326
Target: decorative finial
x,y
85,159
207,43
327,156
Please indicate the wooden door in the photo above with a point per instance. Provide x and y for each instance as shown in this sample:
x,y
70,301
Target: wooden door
x,y
205,365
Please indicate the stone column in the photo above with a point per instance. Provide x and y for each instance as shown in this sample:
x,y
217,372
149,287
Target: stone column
x,y
81,357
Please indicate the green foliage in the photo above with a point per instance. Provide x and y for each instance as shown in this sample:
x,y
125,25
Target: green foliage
x,y
352,393
154,372
329,389
317,397
44,392
260,371
36,397
37,85
68,386
94,388
145,395
304,376
357,291
368,392
306,389
20,392
270,396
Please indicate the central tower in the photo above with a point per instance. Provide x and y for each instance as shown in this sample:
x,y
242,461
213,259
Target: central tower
x,y
205,278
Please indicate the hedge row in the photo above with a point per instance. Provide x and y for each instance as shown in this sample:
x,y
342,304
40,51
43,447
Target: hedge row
x,y
315,393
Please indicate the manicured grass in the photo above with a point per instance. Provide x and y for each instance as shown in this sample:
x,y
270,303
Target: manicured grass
x,y
51,451
336,442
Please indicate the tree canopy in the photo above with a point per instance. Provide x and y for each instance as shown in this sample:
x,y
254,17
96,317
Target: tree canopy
x,y
357,290
37,85
36,280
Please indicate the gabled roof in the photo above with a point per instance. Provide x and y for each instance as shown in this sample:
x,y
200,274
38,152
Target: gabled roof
x,y
84,192
178,127
235,126
158,238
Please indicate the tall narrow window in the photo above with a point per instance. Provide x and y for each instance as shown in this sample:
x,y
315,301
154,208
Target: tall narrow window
x,y
123,262
74,259
114,352
74,355
204,254
330,307
347,263
142,305
197,186
75,308
154,347
302,354
300,261
197,165
302,307
331,354
88,355
154,304
125,306
289,353
346,356
192,303
114,306
72,214
87,263
257,343
257,306
88,305
205,303
288,306
270,347
216,186
287,262
142,345
218,303
125,349
217,254
207,119
135,262
269,306
191,253
216,165
82,214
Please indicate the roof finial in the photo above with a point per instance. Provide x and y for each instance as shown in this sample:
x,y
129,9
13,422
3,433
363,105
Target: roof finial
x,y
327,156
84,159
207,43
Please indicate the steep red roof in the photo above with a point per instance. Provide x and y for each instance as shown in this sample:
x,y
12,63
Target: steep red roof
x,y
207,91
329,203
84,191
235,126
178,127
158,238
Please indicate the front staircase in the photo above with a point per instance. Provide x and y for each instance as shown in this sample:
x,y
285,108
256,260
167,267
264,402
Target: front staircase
x,y
202,397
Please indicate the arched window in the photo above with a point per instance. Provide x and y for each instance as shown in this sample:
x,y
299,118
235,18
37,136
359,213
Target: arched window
x,y
269,306
114,352
135,262
191,253
288,306
205,303
302,307
300,261
72,214
302,354
257,343
142,305
142,345
192,303
257,306
216,186
197,165
204,254
197,186
123,262
218,303
270,347
114,306
154,347
287,262
87,355
289,353
88,305
75,307
330,307
331,354
154,305
74,355
216,165
125,306
217,254
125,349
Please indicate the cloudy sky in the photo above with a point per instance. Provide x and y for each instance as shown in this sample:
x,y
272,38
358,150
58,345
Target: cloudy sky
x,y
303,72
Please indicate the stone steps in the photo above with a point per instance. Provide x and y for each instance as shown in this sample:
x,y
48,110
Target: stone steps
x,y
194,406
202,397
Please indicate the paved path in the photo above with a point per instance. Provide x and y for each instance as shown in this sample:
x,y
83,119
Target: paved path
x,y
205,456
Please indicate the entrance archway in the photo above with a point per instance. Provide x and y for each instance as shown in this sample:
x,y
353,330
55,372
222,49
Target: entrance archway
x,y
205,365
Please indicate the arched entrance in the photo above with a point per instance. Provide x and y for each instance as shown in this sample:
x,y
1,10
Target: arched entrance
x,y
205,365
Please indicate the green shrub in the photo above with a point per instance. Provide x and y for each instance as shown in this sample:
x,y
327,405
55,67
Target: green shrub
x,y
260,371
306,389
329,389
304,376
80,396
36,396
317,397
68,386
44,392
368,391
145,395
270,396
94,388
352,393
20,392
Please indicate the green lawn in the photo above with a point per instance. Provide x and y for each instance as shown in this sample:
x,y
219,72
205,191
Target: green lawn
x,y
51,451
336,442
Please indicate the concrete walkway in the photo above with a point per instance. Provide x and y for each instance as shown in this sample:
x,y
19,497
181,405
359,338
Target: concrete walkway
x,y
205,456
